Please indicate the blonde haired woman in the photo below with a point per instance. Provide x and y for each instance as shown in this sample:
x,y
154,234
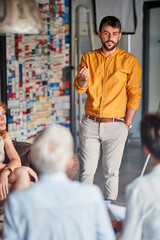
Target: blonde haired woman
x,y
13,176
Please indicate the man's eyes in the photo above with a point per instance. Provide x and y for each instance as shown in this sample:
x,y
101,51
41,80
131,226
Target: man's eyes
x,y
107,33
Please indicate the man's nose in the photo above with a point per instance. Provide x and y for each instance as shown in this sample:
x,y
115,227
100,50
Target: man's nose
x,y
110,36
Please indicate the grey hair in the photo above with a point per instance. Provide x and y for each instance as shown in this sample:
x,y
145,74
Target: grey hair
x,y
52,149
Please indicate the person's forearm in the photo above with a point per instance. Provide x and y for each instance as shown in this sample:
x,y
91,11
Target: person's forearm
x,y
83,77
12,154
82,82
9,168
129,115
15,163
2,165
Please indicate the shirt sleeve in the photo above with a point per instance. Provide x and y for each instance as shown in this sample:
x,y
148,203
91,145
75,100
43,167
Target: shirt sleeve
x,y
104,227
9,226
132,226
133,85
82,64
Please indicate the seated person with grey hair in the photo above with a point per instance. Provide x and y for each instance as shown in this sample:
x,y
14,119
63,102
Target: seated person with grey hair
x,y
56,207
143,194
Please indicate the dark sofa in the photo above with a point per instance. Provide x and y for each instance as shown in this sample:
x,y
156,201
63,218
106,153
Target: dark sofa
x,y
23,149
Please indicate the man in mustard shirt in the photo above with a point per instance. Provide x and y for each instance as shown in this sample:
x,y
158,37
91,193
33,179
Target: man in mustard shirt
x,y
111,79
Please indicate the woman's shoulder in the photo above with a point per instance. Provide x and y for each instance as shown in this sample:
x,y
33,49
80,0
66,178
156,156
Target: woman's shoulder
x,y
1,140
1,149
7,138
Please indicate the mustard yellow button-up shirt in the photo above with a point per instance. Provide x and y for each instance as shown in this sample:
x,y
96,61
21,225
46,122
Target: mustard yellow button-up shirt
x,y
113,84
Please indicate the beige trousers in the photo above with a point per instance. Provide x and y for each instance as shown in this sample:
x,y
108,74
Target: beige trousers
x,y
108,138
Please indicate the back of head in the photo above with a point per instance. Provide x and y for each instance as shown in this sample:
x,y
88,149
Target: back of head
x,y
52,149
150,133
111,21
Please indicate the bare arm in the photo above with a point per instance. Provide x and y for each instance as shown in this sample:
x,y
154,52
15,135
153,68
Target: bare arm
x,y
2,165
31,173
12,153
129,116
81,80
83,77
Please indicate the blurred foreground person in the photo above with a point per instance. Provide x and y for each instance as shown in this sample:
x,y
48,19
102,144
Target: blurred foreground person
x,y
56,207
143,194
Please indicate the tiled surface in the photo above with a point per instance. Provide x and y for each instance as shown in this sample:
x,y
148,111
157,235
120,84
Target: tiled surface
x,y
131,167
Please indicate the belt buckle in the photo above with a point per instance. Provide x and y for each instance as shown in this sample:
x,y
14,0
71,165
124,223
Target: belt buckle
x,y
94,118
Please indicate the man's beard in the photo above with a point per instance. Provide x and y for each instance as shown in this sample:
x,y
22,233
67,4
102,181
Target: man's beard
x,y
110,48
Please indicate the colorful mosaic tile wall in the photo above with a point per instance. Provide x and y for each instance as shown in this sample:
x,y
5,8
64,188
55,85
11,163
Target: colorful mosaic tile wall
x,y
38,79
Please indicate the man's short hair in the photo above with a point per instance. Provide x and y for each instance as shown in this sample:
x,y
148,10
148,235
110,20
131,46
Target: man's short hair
x,y
150,133
111,21
52,149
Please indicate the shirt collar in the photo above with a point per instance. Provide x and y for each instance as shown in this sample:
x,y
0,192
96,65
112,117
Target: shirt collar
x,y
60,176
110,56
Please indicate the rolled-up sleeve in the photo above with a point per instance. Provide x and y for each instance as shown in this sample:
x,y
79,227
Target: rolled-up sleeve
x,y
82,64
133,85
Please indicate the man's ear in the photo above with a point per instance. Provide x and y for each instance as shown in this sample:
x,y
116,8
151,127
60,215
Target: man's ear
x,y
70,164
99,34
72,167
146,150
120,35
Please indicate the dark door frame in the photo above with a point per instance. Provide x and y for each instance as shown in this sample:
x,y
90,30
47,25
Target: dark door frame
x,y
3,70
146,10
